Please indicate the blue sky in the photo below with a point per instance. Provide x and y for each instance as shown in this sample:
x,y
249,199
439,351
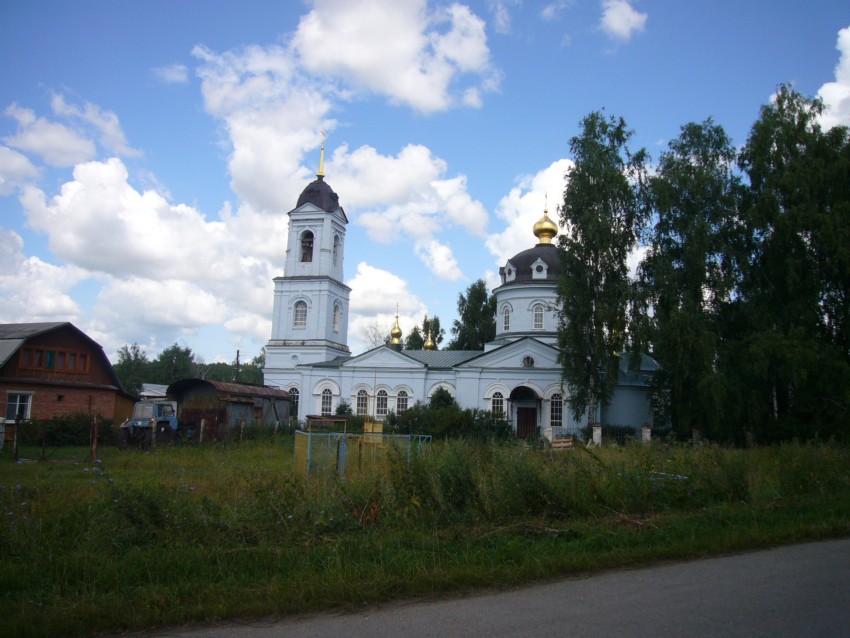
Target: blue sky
x,y
150,150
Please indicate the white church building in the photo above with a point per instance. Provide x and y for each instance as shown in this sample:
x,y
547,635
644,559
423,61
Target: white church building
x,y
517,374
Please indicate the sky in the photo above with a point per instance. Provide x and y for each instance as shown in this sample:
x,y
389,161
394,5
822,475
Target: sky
x,y
150,149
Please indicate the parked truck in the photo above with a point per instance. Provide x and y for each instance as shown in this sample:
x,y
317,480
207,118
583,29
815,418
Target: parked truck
x,y
150,418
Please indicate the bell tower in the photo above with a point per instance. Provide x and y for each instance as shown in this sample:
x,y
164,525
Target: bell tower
x,y
310,316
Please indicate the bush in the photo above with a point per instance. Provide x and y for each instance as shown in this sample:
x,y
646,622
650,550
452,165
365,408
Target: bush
x,y
67,430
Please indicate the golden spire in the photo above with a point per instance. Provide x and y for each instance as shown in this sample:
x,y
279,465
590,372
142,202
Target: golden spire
x,y
395,333
429,342
321,171
545,229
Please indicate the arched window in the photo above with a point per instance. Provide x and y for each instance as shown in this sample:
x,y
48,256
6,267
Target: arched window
x,y
299,318
497,404
293,402
337,316
506,318
556,411
401,401
362,403
307,246
538,317
381,404
337,243
327,401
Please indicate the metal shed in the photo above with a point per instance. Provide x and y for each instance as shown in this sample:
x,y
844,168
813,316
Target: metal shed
x,y
223,407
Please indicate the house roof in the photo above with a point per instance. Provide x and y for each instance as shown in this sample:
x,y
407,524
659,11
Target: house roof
x,y
15,335
227,390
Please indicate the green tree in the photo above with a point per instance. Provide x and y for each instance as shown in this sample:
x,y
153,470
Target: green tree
x,y
795,309
431,325
476,323
419,335
690,272
133,368
174,363
414,340
602,216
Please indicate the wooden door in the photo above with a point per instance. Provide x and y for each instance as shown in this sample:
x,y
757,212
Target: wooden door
x,y
526,423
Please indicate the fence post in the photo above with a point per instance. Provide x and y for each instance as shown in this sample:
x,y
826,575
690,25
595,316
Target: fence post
x,y
93,439
15,438
597,434
201,435
646,433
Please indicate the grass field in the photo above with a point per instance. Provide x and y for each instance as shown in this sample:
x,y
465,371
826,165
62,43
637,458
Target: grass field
x,y
197,534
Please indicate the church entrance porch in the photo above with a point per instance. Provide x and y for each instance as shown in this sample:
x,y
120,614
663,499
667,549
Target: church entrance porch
x,y
526,403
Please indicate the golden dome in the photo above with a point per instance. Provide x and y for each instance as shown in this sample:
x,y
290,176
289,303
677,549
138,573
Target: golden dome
x,y
429,342
395,333
545,229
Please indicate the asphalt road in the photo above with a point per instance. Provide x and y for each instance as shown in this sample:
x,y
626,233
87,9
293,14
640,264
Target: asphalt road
x,y
794,591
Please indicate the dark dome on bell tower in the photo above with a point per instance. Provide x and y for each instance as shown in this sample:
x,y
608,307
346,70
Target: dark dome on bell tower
x,y
320,194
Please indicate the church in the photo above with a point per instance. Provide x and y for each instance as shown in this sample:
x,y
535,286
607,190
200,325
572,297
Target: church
x,y
517,375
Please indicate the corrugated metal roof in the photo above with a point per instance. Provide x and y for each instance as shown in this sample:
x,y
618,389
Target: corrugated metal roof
x,y
441,358
224,387
331,363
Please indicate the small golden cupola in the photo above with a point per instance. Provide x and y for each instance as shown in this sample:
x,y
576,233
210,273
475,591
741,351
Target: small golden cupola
x,y
429,342
545,229
395,333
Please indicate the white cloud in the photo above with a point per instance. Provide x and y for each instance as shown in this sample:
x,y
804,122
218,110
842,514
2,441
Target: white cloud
x,y
172,74
57,144
169,269
836,95
439,259
375,295
501,10
31,289
15,170
523,206
553,9
398,49
272,116
105,124
620,20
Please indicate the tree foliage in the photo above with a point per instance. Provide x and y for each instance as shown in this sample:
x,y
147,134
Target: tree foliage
x,y
794,312
602,215
690,272
132,367
476,323
417,337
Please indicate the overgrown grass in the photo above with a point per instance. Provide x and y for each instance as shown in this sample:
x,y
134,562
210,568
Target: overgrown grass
x,y
196,534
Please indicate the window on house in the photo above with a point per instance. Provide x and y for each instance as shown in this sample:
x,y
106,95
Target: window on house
x,y
327,402
337,317
556,411
362,403
294,396
381,403
506,318
497,404
538,317
18,406
55,359
401,401
307,247
299,319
